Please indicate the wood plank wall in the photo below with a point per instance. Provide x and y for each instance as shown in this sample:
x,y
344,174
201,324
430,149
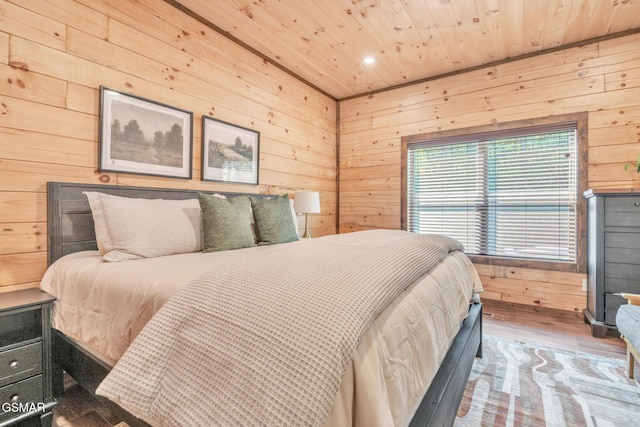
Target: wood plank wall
x,y
54,55
601,78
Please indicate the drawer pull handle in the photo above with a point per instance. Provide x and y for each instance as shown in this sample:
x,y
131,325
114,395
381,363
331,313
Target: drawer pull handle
x,y
15,397
14,364
637,203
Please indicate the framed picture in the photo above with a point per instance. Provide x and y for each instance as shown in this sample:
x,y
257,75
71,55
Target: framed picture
x,y
229,152
144,137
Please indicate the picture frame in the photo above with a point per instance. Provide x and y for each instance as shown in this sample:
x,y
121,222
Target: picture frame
x,y
230,153
141,136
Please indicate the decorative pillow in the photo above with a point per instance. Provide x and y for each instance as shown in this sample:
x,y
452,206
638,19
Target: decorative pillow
x,y
226,223
128,228
274,221
294,216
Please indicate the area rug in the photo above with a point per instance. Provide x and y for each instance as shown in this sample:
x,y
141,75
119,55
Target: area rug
x,y
519,384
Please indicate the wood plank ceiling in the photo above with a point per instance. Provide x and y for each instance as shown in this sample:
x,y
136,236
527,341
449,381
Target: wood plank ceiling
x,y
325,42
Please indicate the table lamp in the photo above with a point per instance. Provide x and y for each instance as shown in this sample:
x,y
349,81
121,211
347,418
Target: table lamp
x,y
306,202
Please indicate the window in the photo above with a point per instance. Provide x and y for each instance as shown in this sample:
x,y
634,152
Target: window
x,y
511,193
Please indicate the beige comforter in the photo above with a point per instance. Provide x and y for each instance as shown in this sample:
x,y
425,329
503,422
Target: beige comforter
x,y
103,306
266,341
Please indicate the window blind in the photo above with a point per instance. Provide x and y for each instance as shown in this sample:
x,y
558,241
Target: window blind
x,y
508,193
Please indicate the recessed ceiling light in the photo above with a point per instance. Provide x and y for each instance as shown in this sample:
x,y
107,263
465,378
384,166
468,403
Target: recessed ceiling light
x,y
369,60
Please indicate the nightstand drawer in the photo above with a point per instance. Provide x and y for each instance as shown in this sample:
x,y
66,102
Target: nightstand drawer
x,y
20,363
26,391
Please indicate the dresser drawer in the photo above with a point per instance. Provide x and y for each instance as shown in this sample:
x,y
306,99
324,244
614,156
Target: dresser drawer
x,y
26,391
622,240
617,285
610,317
20,363
622,256
612,303
620,270
621,278
622,211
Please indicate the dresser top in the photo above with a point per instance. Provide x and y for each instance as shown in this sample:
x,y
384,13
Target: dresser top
x,y
612,191
23,298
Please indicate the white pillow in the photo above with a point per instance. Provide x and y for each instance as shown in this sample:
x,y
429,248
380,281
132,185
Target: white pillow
x,y
295,217
128,228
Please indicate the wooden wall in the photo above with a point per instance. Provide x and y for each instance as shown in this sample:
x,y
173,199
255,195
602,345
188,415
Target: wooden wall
x,y
54,55
601,78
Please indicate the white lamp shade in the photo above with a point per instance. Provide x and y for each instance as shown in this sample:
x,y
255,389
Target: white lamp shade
x,y
306,202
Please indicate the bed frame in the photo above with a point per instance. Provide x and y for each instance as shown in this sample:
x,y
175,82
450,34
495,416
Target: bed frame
x,y
70,229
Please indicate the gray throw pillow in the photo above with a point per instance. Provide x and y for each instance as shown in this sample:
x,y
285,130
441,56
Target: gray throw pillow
x,y
273,218
226,223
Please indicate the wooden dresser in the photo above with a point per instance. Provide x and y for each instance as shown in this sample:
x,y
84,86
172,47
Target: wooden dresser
x,y
613,254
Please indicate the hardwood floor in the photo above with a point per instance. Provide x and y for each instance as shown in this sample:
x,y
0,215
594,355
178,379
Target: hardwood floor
x,y
77,408
550,328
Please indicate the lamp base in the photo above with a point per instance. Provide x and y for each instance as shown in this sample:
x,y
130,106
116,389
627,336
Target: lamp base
x,y
306,234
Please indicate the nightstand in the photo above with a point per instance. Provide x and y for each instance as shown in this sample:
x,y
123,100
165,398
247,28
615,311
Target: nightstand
x,y
26,397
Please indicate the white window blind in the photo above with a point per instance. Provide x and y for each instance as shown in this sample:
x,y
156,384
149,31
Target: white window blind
x,y
509,193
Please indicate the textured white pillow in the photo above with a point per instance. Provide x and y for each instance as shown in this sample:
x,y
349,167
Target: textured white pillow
x,y
128,228
295,217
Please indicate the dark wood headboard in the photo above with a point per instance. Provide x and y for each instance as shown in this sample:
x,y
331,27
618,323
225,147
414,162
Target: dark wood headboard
x,y
69,221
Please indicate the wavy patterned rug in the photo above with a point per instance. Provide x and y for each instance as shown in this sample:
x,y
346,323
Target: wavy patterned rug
x,y
524,385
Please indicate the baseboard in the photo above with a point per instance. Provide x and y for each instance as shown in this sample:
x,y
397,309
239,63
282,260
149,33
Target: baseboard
x,y
557,313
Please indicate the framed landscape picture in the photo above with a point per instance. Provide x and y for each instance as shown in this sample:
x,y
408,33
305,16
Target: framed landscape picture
x,y
229,152
141,136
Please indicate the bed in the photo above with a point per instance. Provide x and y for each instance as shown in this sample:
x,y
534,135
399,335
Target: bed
x,y
72,240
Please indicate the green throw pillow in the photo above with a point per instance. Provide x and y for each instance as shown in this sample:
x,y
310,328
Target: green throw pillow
x,y
226,223
273,218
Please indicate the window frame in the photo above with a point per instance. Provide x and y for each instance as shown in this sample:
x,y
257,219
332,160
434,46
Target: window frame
x,y
581,120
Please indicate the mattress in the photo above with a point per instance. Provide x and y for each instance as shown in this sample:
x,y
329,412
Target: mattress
x,y
104,306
